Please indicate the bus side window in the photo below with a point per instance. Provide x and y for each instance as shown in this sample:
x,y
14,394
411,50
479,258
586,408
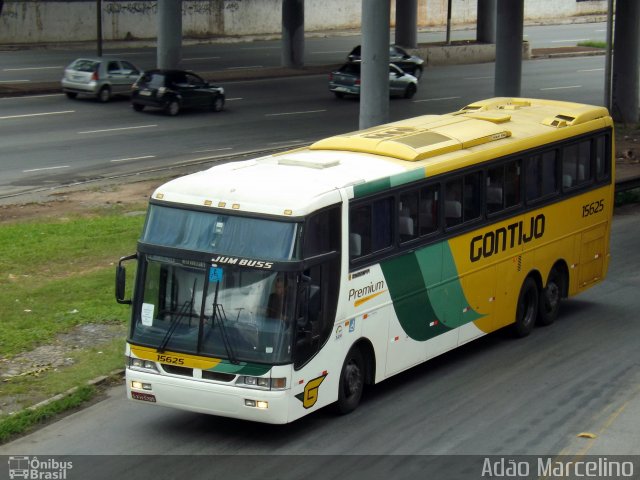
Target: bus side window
x,y
408,216
428,211
453,202
602,164
472,202
576,164
359,231
541,179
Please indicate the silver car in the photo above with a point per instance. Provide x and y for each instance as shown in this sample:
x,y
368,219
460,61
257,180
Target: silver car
x,y
346,81
100,77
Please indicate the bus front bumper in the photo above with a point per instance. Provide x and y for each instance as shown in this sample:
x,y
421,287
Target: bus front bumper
x,y
210,398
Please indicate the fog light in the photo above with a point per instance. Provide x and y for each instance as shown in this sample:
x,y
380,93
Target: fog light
x,y
249,403
137,385
262,404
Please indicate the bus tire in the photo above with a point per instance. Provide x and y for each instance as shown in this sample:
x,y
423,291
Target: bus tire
x,y
527,308
351,384
550,297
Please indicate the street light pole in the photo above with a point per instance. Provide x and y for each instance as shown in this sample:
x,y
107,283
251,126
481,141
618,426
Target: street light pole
x,y
99,25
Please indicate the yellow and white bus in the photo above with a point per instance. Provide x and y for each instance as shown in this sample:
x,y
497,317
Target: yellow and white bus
x,y
269,288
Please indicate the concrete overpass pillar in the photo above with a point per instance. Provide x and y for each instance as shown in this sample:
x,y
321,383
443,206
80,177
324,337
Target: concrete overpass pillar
x,y
624,85
374,90
293,33
169,33
407,23
509,30
486,21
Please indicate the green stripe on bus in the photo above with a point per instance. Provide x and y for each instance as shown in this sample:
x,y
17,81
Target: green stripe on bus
x,y
427,295
382,184
241,369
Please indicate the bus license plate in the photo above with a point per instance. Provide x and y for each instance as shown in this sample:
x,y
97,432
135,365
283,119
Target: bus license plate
x,y
145,397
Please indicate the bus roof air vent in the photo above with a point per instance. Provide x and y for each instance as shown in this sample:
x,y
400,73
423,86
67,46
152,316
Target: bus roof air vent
x,y
559,121
309,162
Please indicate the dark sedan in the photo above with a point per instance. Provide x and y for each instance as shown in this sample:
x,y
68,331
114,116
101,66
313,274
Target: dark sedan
x,y
173,90
398,56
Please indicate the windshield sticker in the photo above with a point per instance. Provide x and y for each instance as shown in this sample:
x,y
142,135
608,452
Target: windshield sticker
x,y
146,314
215,275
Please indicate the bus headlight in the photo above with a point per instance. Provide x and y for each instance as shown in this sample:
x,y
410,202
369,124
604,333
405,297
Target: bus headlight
x,y
141,364
262,383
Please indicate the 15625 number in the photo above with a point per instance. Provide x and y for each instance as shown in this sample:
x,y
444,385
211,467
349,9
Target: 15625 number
x,y
592,208
171,360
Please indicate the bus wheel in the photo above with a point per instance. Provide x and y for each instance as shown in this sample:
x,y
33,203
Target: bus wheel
x,y
351,382
527,309
551,296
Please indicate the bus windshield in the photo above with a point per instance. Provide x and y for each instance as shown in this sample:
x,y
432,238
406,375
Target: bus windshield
x,y
242,315
220,233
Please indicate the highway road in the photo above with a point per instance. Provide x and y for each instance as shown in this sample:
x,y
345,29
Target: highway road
x,y
40,65
496,396
49,140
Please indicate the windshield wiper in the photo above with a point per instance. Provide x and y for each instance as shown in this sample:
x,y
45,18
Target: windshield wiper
x,y
182,313
221,316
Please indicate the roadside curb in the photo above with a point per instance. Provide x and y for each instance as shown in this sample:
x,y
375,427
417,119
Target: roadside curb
x,y
98,381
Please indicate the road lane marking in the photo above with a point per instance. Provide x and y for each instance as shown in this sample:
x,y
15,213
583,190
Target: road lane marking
x,y
292,113
200,58
591,70
242,68
37,114
21,97
435,99
233,99
212,150
575,40
562,88
44,168
117,129
29,68
14,81
132,158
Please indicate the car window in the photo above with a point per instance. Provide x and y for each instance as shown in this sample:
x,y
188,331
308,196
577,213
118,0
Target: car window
x,y
128,66
153,80
394,69
113,67
84,65
356,51
195,80
352,68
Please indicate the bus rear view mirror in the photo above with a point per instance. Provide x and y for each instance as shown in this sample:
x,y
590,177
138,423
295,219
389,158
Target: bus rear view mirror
x,y
121,280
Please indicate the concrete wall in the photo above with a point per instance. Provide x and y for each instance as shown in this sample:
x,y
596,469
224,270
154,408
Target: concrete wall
x,y
46,21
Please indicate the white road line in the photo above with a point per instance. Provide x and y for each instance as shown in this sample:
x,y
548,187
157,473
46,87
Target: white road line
x,y
116,129
292,113
14,81
574,40
233,99
44,168
22,97
435,99
592,70
562,88
241,68
30,68
36,114
199,58
212,150
132,158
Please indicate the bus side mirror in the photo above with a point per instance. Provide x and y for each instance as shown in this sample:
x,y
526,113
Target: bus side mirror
x,y
121,280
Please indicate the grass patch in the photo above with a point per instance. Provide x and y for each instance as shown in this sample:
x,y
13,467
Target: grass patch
x,y
593,43
630,196
59,274
11,425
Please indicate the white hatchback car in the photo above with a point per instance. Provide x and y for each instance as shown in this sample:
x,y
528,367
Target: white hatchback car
x,y
100,77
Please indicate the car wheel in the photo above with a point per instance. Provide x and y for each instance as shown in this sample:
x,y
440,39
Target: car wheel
x,y
71,94
527,308
218,104
351,382
172,107
339,94
137,107
417,72
410,91
104,95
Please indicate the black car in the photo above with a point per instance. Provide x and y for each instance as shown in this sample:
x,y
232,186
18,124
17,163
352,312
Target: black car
x,y
173,90
408,63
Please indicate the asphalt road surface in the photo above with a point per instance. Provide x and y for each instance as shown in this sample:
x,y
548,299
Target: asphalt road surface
x,y
494,397
51,140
